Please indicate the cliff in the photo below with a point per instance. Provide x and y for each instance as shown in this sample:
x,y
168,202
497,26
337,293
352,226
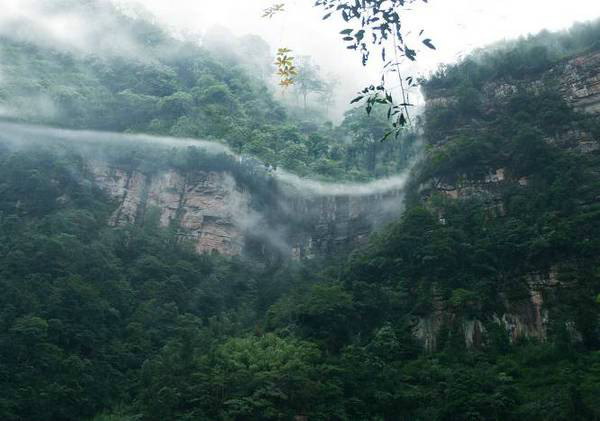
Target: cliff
x,y
482,146
577,80
220,215
206,207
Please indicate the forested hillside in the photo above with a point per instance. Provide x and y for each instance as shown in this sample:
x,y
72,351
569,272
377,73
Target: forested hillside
x,y
481,302
157,84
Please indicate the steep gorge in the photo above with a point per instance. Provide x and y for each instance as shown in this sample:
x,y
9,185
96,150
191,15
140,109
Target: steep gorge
x,y
219,213
204,269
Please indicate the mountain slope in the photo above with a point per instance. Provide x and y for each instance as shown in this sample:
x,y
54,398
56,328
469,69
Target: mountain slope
x,y
480,302
127,74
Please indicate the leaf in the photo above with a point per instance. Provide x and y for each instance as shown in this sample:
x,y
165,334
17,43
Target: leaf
x,y
327,16
285,67
402,120
355,100
271,11
386,135
346,31
427,42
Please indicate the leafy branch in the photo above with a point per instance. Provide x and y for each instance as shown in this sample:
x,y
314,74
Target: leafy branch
x,y
269,12
375,24
285,67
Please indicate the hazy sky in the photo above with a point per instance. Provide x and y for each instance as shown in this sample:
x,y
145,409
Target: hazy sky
x,y
456,26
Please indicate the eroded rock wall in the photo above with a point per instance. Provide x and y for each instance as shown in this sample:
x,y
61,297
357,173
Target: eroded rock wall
x,y
330,225
217,214
578,81
522,317
206,207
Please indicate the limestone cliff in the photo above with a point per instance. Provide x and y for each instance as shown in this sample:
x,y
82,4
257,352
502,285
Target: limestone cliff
x,y
218,214
338,223
524,317
206,207
577,81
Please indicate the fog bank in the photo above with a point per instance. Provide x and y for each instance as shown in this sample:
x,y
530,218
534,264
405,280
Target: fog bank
x,y
16,134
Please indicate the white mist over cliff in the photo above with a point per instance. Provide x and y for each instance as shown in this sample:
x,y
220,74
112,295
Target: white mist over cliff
x,y
18,134
221,208
23,133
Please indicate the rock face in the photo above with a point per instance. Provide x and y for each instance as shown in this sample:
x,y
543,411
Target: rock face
x,y
578,81
213,211
333,224
217,214
523,317
206,207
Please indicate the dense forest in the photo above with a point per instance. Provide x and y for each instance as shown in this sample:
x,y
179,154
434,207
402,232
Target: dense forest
x,y
130,323
219,91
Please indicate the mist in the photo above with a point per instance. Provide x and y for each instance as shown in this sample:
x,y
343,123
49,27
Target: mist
x,y
457,28
295,201
235,32
20,135
320,188
73,26
23,134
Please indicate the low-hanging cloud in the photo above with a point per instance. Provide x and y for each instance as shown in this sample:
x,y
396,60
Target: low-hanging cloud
x,y
75,26
297,200
22,133
321,188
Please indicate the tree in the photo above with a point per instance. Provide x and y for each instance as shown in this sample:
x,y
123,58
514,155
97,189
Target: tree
x,y
366,131
266,377
308,80
327,92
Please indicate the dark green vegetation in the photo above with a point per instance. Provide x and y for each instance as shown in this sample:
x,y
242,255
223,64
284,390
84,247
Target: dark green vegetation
x,y
129,323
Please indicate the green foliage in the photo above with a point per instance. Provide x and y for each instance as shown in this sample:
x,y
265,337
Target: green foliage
x,y
214,93
129,323
376,26
85,305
